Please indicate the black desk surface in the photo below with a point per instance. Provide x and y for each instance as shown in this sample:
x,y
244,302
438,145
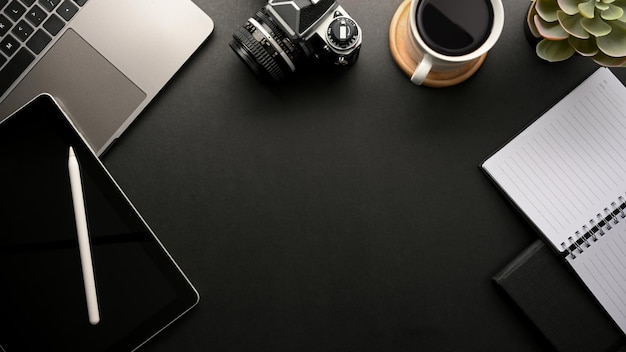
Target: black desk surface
x,y
339,212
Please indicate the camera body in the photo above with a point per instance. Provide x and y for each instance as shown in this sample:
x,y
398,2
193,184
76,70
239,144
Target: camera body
x,y
283,34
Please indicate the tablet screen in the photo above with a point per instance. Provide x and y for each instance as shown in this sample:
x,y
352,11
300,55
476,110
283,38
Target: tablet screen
x,y
140,289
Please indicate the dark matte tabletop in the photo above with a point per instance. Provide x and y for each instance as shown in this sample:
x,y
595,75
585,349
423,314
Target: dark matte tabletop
x,y
339,211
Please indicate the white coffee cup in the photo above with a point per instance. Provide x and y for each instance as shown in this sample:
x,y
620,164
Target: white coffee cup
x,y
432,60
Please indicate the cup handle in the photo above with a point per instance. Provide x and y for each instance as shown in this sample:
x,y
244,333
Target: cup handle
x,y
422,70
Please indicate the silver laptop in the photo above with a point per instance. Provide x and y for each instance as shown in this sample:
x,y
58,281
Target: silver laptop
x,y
104,60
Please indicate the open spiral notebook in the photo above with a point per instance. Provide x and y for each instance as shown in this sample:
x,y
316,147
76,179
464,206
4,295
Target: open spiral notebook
x,y
566,172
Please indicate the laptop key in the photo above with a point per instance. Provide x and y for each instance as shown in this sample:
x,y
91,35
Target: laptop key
x,y
67,10
79,2
38,41
54,24
9,45
14,68
5,24
36,15
3,3
49,4
28,3
22,30
14,10
2,60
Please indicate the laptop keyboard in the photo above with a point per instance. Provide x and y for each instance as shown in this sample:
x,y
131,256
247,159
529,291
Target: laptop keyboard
x,y
26,28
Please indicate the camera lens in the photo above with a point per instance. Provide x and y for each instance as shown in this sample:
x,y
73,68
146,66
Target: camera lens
x,y
265,48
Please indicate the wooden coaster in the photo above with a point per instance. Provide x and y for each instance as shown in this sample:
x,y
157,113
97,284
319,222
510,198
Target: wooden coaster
x,y
398,42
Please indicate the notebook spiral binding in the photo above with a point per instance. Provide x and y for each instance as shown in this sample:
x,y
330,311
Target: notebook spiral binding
x,y
596,229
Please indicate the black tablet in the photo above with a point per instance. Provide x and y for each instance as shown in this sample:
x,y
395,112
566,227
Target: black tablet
x,y
43,293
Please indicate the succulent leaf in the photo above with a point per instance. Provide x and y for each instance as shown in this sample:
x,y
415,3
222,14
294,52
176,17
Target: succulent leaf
x,y
571,24
612,12
585,47
602,6
587,9
532,12
613,44
602,59
621,4
554,50
546,9
570,7
608,1
550,30
596,26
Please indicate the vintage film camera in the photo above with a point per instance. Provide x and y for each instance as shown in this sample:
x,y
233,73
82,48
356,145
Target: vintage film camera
x,y
284,34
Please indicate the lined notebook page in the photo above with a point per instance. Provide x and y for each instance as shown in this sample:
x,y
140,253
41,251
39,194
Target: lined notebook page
x,y
569,164
602,266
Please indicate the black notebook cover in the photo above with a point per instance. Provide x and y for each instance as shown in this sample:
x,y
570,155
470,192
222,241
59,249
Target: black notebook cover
x,y
557,302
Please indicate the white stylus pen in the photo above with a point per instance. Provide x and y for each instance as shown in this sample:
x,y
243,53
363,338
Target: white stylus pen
x,y
83,239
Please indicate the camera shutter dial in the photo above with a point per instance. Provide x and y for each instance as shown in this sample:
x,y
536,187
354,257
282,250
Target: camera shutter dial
x,y
343,33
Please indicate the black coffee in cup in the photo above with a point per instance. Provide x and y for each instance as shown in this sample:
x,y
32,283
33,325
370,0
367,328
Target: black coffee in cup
x,y
454,27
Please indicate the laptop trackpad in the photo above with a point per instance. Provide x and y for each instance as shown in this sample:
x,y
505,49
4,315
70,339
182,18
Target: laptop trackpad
x,y
97,96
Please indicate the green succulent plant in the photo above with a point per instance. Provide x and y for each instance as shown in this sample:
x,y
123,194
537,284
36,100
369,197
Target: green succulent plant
x,y
593,28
